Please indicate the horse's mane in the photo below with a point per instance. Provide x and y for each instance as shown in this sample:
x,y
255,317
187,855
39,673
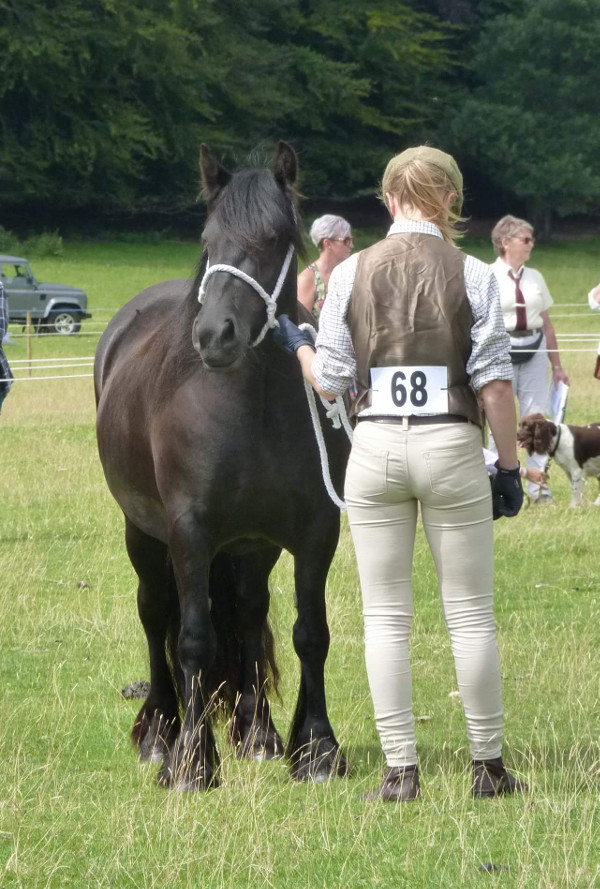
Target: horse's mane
x,y
252,209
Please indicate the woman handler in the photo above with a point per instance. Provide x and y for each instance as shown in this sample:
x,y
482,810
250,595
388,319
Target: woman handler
x,y
419,325
525,300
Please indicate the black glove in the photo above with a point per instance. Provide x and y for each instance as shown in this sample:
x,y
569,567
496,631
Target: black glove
x,y
507,492
289,336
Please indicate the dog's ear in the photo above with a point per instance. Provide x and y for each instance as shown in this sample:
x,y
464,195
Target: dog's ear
x,y
525,433
541,435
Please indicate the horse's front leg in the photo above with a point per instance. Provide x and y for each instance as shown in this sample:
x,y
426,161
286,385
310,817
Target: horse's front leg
x,y
312,748
252,730
193,761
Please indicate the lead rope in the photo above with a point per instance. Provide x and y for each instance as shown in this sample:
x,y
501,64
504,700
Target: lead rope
x,y
336,412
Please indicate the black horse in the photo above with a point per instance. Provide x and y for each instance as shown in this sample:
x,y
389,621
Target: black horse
x,y
207,445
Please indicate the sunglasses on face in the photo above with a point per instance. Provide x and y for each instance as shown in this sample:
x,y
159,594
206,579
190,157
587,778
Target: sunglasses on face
x,y
347,241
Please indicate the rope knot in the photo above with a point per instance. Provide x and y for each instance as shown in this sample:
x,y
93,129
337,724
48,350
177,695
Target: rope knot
x,y
332,412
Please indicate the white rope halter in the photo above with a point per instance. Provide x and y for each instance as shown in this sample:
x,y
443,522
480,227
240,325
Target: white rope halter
x,y
271,300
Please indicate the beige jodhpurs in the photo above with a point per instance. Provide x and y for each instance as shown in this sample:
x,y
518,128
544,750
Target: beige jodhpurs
x,y
392,467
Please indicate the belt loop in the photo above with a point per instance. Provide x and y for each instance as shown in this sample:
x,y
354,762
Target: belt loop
x,y
405,422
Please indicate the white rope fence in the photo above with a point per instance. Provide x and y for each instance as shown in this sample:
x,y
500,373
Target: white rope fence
x,y
39,379
574,343
21,365
43,335
36,364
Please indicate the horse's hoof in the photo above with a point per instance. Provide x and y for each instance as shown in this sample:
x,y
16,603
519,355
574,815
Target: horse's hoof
x,y
154,756
319,765
260,747
186,773
157,740
195,785
185,783
265,755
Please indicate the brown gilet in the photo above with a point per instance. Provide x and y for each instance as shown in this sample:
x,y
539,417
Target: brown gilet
x,y
409,306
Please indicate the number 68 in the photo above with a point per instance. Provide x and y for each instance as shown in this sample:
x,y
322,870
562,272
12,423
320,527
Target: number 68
x,y
417,384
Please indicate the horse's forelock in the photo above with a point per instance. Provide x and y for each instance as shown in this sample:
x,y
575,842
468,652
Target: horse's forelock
x,y
252,208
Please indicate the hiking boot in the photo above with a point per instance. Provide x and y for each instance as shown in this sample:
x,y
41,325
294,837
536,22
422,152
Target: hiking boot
x,y
400,784
490,778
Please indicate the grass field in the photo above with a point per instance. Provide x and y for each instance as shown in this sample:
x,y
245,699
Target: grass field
x,y
77,809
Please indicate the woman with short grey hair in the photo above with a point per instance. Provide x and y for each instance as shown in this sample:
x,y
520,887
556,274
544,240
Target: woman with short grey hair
x,y
333,236
508,227
525,300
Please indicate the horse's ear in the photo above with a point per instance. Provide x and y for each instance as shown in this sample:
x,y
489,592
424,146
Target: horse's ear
x,y
285,164
213,175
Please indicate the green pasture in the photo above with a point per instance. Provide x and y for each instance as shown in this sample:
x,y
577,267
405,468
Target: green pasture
x,y
77,809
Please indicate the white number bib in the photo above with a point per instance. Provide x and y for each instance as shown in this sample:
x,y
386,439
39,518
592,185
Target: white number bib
x,y
408,390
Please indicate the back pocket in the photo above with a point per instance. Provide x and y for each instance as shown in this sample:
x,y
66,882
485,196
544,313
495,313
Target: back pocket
x,y
455,473
366,475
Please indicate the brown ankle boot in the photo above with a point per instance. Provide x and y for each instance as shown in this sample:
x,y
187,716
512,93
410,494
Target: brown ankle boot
x,y
400,784
490,779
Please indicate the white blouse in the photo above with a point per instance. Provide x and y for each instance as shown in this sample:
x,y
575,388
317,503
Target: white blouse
x,y
535,293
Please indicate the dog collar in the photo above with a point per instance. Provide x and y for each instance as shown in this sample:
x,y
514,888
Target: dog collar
x,y
557,442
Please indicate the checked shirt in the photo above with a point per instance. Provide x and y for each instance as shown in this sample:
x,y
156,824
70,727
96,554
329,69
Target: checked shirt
x,y
334,365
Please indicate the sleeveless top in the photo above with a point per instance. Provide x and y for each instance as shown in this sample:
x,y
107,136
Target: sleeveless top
x,y
321,290
409,306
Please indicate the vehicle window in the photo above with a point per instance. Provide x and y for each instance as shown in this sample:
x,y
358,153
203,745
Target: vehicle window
x,y
9,272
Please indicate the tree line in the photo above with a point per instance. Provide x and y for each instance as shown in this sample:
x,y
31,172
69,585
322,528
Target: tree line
x,y
104,103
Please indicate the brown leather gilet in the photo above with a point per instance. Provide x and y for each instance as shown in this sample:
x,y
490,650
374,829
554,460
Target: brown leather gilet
x,y
409,306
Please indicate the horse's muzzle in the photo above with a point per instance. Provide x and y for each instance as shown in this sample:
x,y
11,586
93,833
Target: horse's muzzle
x,y
220,347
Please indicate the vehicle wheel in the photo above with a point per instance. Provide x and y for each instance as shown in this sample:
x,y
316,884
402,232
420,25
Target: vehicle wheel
x,y
63,322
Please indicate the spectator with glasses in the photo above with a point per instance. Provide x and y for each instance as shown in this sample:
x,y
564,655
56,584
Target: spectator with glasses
x,y
525,301
333,237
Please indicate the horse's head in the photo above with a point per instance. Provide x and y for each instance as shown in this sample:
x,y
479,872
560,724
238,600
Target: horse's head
x,y
249,272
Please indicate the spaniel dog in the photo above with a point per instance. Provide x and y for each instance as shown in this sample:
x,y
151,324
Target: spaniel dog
x,y
576,449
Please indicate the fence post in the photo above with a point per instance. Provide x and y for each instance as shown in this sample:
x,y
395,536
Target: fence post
x,y
28,328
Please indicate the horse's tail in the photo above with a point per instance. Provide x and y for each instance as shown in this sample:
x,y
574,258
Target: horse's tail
x,y
172,642
221,686
223,683
271,664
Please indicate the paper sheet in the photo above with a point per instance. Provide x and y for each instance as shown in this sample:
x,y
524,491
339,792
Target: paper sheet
x,y
557,402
